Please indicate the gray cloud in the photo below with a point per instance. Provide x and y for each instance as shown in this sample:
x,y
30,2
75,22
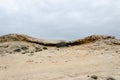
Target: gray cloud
x,y
60,19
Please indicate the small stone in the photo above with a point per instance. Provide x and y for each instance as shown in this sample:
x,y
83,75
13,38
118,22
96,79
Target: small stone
x,y
24,48
17,50
37,49
45,48
94,77
110,78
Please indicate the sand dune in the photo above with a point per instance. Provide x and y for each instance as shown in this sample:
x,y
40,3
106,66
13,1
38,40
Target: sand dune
x,y
95,57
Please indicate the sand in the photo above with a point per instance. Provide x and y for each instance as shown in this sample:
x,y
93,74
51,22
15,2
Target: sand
x,y
70,63
92,61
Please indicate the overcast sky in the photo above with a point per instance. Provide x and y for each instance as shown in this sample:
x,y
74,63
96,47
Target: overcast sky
x,y
60,19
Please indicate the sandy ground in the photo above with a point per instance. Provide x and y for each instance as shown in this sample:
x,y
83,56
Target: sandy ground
x,y
71,63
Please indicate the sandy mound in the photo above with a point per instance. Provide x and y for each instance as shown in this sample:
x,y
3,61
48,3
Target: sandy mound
x,y
90,39
21,37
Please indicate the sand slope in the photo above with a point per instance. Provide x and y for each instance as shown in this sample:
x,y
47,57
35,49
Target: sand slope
x,y
99,57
